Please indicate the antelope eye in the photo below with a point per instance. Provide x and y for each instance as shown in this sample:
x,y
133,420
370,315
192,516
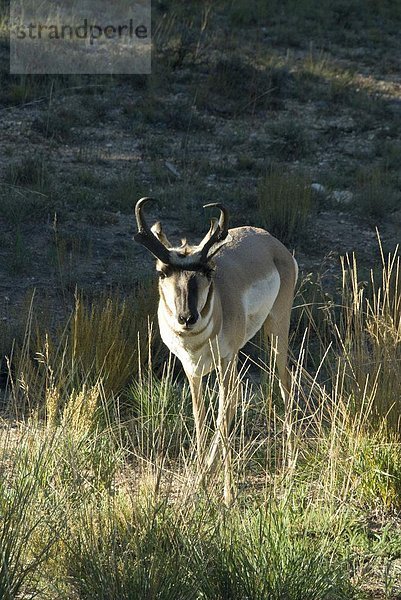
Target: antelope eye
x,y
161,275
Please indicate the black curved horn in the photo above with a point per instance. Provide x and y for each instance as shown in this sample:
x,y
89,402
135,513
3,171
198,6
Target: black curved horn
x,y
145,236
224,214
219,233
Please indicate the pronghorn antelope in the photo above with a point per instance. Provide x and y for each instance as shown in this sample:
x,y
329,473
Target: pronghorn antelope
x,y
214,297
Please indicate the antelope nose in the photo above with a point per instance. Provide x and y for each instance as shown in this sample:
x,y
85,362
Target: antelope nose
x,y
187,319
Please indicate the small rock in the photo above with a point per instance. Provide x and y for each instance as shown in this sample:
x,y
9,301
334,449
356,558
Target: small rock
x,y
318,188
342,197
172,168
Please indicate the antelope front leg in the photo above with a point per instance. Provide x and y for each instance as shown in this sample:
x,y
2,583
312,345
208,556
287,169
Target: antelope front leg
x,y
228,399
198,407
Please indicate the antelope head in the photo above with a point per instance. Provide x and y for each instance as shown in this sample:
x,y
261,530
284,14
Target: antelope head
x,y
185,272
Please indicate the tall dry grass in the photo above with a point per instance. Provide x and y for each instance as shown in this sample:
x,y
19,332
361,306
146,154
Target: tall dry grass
x,y
99,486
108,339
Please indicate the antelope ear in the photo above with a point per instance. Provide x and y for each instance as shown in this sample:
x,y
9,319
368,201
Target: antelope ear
x,y
218,246
157,230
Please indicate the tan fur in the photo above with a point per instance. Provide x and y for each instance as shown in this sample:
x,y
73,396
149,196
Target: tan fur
x,y
253,287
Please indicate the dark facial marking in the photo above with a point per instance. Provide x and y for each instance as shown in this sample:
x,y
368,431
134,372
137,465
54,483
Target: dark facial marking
x,y
193,296
186,298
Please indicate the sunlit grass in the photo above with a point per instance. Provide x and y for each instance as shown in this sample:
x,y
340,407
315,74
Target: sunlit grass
x,y
99,493
108,339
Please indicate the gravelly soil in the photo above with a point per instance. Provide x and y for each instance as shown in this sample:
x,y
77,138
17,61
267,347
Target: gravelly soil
x,y
76,229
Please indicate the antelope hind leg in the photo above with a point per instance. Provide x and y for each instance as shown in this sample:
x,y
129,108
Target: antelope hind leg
x,y
278,332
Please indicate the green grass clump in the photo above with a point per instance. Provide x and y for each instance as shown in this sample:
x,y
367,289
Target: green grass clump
x,y
55,125
20,205
235,86
377,465
390,153
18,90
21,259
158,413
33,172
285,204
376,196
199,552
26,516
25,198
291,140
122,191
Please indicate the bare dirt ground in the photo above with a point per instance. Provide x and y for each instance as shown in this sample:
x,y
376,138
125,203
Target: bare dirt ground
x,y
206,125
